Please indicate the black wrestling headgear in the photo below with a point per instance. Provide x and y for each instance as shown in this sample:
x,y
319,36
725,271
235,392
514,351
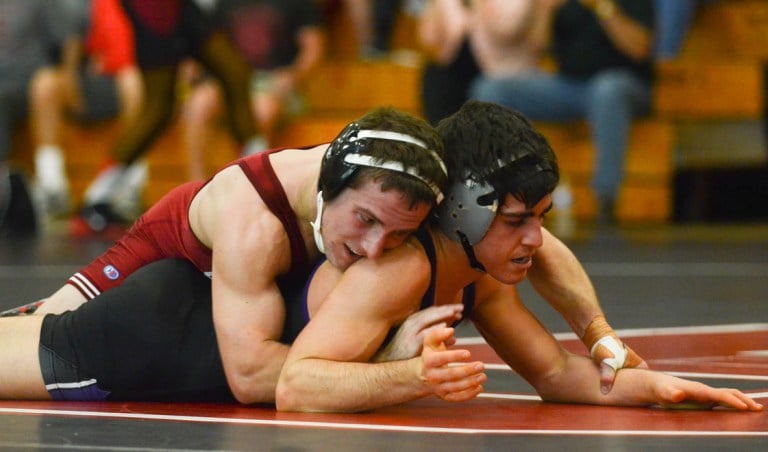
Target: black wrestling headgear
x,y
344,157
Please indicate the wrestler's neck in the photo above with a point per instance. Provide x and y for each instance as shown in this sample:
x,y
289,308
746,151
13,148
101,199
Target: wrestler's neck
x,y
298,172
452,260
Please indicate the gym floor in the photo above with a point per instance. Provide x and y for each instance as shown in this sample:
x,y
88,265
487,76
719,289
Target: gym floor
x,y
691,299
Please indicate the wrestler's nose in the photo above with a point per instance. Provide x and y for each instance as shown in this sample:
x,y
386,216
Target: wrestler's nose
x,y
374,244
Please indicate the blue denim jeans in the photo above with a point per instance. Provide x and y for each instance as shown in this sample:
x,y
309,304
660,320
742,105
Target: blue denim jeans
x,y
608,101
673,20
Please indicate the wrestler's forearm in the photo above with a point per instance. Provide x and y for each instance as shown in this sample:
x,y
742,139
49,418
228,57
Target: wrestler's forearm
x,y
66,298
561,280
316,385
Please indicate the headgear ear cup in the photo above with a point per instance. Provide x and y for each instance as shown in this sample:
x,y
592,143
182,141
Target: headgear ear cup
x,y
334,171
463,214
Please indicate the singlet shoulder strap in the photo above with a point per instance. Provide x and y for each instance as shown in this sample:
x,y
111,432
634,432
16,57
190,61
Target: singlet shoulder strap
x,y
423,236
259,171
468,294
468,300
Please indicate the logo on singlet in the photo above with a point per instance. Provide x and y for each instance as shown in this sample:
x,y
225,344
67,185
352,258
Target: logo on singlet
x,y
111,272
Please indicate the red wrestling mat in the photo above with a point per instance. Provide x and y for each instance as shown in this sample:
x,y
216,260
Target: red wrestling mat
x,y
739,351
730,354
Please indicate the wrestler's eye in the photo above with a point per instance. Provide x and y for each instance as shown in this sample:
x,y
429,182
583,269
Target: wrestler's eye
x,y
365,219
515,222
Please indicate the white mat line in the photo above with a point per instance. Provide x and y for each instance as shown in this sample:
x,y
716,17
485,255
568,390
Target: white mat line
x,y
375,427
645,332
704,375
498,395
667,269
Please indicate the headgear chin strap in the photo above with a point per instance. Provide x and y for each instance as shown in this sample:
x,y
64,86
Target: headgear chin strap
x,y
318,221
344,156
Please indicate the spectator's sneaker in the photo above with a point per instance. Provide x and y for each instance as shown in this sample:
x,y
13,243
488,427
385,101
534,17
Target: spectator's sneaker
x,y
51,181
98,220
255,145
127,198
606,211
53,203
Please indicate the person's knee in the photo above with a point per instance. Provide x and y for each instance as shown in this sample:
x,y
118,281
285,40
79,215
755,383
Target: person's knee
x,y
484,90
618,91
203,105
45,87
608,84
130,91
610,90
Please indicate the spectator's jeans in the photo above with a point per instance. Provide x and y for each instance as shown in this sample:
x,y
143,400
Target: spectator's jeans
x,y
673,20
608,101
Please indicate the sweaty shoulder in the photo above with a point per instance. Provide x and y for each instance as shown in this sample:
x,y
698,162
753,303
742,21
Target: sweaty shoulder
x,y
229,205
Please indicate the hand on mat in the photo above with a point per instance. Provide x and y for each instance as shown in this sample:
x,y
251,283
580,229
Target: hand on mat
x,y
676,393
448,372
609,352
409,337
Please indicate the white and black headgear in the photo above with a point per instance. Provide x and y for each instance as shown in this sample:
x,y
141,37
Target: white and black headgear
x,y
470,207
345,156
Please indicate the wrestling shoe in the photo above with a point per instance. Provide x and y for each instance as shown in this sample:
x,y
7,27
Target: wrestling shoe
x,y
98,220
22,310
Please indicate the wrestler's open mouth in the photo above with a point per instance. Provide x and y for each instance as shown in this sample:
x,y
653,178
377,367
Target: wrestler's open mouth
x,y
352,253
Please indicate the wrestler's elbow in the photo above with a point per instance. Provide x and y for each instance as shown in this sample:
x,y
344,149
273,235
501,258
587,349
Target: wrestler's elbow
x,y
550,378
252,377
248,392
288,395
251,386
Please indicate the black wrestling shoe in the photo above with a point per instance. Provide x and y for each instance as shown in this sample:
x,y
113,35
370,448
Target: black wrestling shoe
x,y
22,310
98,220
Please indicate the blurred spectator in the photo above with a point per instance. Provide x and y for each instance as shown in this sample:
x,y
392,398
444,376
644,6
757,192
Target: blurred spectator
x,y
165,32
282,41
443,30
498,38
361,16
383,16
96,80
31,32
673,20
374,22
603,53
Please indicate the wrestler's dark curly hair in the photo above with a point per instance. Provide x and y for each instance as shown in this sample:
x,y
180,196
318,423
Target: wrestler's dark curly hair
x,y
494,145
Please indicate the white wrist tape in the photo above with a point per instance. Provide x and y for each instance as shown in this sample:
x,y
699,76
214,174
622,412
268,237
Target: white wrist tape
x,y
619,352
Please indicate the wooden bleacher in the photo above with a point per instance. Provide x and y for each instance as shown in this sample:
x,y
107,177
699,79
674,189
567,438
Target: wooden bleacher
x,y
718,76
719,73
714,96
646,192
